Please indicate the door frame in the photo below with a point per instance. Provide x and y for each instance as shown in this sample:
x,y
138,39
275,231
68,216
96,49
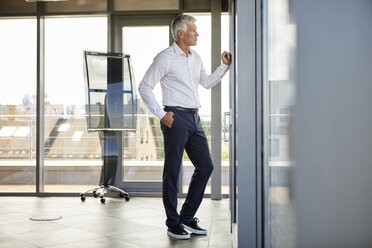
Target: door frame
x,y
247,124
117,24
232,124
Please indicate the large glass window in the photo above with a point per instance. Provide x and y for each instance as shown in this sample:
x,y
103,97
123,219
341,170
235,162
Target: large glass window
x,y
203,48
143,150
279,45
17,105
72,155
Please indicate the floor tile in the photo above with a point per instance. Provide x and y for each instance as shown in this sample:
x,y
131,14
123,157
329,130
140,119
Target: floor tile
x,y
139,223
7,242
54,237
97,243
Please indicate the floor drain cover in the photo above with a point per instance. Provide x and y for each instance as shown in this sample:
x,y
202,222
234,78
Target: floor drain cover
x,y
45,218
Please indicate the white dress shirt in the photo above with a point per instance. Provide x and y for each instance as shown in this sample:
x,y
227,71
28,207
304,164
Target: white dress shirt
x,y
179,76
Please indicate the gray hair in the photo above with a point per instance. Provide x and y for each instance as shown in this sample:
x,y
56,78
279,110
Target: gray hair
x,y
179,23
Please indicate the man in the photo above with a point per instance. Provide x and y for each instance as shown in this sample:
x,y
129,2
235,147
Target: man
x,y
180,71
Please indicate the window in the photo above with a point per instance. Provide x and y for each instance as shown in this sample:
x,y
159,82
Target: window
x,y
17,104
279,45
274,147
70,148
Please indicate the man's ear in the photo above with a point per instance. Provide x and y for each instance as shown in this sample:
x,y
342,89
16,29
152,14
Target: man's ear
x,y
179,33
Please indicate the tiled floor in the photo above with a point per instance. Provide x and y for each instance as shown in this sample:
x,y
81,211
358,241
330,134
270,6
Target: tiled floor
x,y
133,224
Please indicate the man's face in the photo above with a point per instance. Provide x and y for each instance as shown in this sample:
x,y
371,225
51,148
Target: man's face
x,y
190,37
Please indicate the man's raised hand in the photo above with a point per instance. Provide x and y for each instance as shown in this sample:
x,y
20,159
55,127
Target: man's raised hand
x,y
226,58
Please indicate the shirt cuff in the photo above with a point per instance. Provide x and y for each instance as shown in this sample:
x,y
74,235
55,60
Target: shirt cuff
x,y
161,114
224,66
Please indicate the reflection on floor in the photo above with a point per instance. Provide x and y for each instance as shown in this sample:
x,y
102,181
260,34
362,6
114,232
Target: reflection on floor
x,y
281,224
133,224
76,188
47,187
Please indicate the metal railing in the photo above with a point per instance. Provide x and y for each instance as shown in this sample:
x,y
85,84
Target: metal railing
x,y
12,147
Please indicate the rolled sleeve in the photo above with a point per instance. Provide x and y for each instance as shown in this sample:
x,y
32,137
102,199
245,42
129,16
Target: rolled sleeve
x,y
154,74
208,81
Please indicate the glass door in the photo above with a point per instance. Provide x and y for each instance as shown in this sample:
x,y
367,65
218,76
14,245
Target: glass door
x,y
278,87
142,38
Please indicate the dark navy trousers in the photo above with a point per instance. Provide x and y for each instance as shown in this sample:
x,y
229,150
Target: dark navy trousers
x,y
187,134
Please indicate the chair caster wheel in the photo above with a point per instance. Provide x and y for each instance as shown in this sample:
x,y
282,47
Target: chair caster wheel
x,y
103,200
126,196
95,194
82,198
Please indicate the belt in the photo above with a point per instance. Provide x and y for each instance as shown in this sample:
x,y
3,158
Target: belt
x,y
193,111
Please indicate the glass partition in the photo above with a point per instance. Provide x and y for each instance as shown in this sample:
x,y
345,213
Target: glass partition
x,y
17,105
279,47
143,150
72,154
203,48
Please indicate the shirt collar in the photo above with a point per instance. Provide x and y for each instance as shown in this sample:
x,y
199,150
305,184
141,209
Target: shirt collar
x,y
178,50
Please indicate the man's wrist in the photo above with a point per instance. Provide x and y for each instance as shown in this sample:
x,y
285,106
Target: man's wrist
x,y
225,66
162,114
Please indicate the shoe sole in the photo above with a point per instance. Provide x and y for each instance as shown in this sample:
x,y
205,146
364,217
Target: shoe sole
x,y
194,231
175,236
